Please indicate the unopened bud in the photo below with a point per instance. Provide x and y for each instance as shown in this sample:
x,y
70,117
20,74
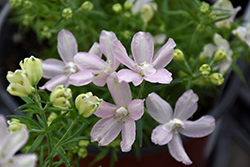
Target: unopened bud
x,y
205,69
220,55
127,5
178,55
14,125
67,13
83,143
15,3
117,8
82,152
205,8
51,118
147,11
60,96
87,6
27,4
19,85
87,104
216,78
33,68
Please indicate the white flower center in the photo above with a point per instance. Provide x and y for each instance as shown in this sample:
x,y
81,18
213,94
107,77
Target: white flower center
x,y
121,114
145,69
108,67
70,68
173,124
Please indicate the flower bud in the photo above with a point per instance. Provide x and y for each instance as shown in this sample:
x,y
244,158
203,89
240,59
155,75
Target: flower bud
x,y
117,8
205,69
178,55
147,11
127,5
15,3
67,13
33,68
220,55
19,85
45,33
87,6
216,78
87,104
14,125
205,8
60,96
83,143
51,118
75,149
27,4
82,152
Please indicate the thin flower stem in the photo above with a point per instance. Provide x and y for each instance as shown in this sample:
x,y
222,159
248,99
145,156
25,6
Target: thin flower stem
x,y
141,89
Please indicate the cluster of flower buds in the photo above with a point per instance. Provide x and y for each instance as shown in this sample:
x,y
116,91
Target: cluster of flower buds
x,y
22,81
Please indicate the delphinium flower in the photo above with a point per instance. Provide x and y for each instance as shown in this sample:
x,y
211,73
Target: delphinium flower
x,y
60,72
173,123
225,6
243,33
220,43
100,69
144,66
118,117
10,143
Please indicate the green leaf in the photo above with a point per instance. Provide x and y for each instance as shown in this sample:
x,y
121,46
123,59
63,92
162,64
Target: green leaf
x,y
41,159
28,105
62,153
58,118
73,136
40,120
31,124
27,99
36,143
75,139
238,71
182,68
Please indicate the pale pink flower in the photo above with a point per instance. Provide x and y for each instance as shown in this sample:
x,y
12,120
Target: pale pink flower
x,y
144,66
60,72
100,69
12,142
243,33
118,117
173,123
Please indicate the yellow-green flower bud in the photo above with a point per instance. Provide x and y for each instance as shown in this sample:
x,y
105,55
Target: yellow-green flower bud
x,y
87,6
67,13
117,8
87,104
205,8
45,33
26,19
19,85
205,69
15,3
14,125
147,12
27,4
200,27
212,15
82,152
178,55
83,143
126,34
220,55
127,5
216,78
33,68
60,96
127,14
51,118
75,149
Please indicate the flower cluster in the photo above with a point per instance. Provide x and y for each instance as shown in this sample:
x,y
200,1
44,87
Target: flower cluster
x,y
140,67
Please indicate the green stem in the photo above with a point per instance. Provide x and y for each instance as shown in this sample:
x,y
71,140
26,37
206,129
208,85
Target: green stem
x,y
141,89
